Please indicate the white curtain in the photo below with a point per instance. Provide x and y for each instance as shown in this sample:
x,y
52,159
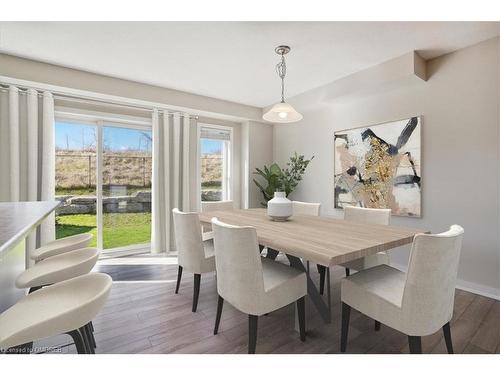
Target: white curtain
x,y
27,155
170,180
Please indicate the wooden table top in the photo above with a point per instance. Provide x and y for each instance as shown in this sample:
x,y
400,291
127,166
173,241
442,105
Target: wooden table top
x,y
321,240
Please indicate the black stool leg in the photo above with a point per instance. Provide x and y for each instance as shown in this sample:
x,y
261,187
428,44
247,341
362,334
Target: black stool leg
x,y
179,276
377,325
346,314
78,340
91,327
252,333
447,337
86,340
220,303
196,290
301,312
347,272
90,336
415,344
322,272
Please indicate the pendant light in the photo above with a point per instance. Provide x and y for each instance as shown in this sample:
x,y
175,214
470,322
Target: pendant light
x,y
282,112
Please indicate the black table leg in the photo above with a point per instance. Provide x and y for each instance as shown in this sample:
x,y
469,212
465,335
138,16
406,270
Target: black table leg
x,y
323,308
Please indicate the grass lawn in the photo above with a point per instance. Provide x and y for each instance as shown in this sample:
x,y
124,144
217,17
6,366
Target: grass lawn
x,y
121,229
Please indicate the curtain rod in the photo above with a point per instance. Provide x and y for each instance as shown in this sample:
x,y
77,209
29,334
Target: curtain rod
x,y
76,99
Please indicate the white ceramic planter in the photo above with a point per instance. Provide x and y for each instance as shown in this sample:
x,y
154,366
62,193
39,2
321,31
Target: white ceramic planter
x,y
279,208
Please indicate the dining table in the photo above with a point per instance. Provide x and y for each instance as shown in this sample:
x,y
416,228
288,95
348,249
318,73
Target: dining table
x,y
321,240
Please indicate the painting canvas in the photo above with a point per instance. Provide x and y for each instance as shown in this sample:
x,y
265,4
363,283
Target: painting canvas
x,y
380,167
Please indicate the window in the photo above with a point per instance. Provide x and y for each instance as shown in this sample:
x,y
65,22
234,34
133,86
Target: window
x,y
215,162
103,177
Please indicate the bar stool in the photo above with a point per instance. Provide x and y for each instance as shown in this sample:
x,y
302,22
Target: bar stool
x,y
62,245
62,308
60,268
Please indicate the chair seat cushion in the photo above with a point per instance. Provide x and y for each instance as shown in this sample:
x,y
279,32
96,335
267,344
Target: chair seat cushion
x,y
283,285
376,292
61,246
276,274
367,262
54,310
59,268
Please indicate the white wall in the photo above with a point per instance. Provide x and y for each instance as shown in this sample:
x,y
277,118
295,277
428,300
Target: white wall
x,y
460,146
257,150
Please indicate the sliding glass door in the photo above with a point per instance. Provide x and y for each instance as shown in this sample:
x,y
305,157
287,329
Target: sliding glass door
x,y
76,145
126,187
103,178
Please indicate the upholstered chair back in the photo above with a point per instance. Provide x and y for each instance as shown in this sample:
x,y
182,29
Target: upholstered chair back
x,y
363,215
216,206
188,240
430,281
240,279
305,208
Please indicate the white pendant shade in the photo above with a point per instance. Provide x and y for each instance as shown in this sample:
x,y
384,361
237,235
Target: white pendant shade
x,y
282,113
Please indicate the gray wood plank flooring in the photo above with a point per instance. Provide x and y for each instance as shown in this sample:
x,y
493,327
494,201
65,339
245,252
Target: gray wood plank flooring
x,y
143,315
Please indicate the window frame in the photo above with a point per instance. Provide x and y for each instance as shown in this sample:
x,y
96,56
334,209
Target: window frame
x,y
227,161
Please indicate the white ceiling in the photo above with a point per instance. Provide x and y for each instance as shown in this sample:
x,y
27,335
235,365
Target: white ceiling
x,y
234,60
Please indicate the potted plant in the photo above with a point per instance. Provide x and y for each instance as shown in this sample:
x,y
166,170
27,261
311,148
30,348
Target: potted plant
x,y
279,183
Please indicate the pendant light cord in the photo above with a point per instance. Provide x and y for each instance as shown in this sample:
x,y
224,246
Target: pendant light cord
x,y
281,70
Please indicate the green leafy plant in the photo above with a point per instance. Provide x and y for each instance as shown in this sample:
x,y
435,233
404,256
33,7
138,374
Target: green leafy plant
x,y
281,179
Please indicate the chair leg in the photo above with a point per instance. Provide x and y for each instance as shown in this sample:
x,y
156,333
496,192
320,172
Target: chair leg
x,y
301,312
415,344
447,337
377,325
347,272
346,314
220,303
86,340
322,272
252,333
196,291
90,335
179,276
91,327
78,340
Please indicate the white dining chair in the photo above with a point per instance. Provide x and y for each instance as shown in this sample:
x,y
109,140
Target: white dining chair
x,y
209,206
306,208
194,254
417,303
63,308
251,283
364,215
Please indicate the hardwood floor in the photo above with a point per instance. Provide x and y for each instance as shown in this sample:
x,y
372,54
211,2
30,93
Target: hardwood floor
x,y
143,315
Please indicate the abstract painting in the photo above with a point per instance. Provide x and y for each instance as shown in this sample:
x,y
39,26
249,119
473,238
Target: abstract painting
x,y
380,167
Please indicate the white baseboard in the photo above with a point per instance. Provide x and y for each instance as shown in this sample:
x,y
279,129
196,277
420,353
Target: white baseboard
x,y
482,290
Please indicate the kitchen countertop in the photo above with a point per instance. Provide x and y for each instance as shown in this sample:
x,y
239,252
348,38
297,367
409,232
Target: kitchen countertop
x,y
18,219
